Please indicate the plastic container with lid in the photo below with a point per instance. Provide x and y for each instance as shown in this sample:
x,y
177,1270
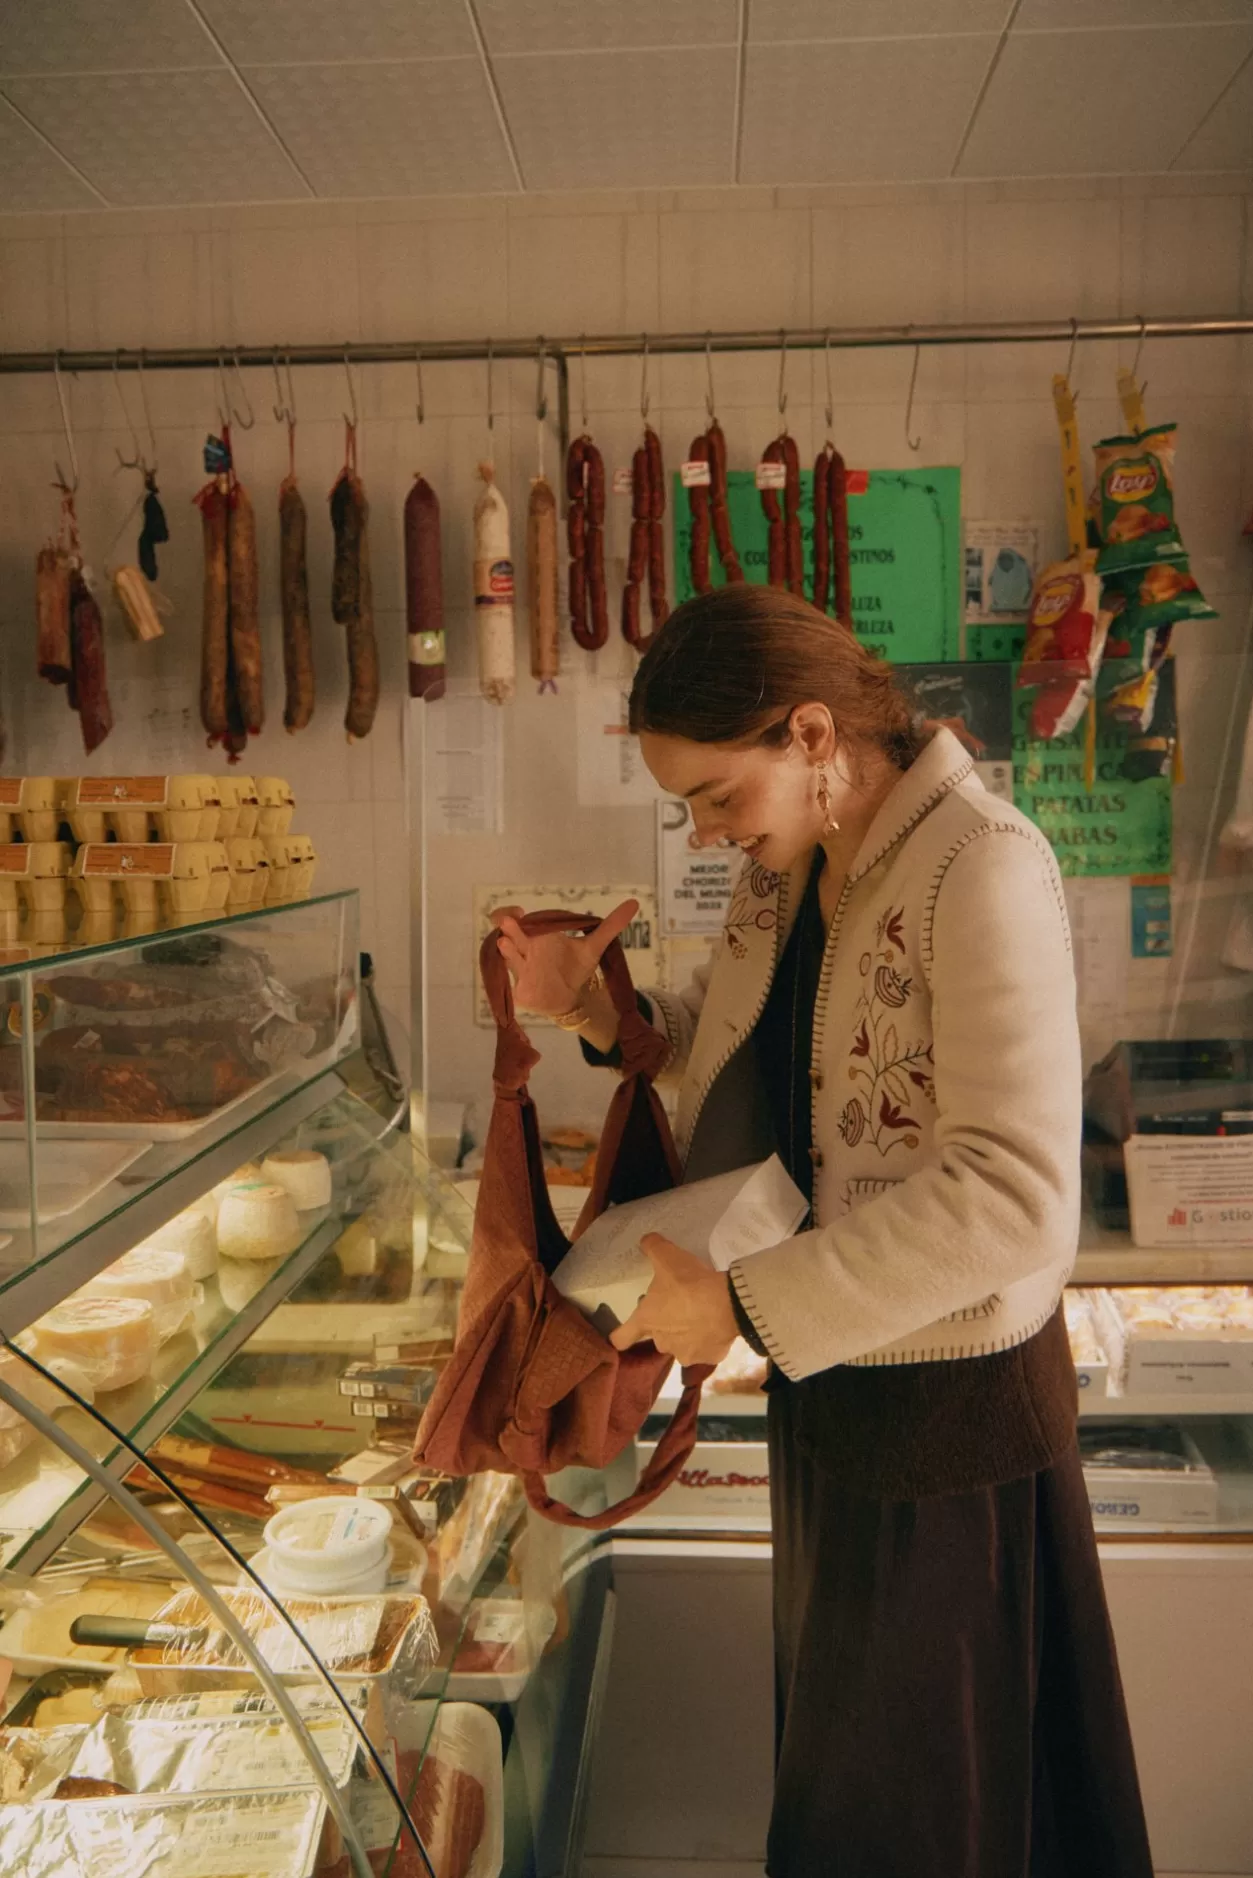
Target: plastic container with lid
x,y
156,1274
331,1546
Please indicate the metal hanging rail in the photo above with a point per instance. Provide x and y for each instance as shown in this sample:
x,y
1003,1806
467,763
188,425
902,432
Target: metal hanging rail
x,y
619,345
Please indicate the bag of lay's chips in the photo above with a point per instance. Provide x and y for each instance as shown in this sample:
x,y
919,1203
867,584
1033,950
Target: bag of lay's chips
x,y
1066,630
1143,600
1134,500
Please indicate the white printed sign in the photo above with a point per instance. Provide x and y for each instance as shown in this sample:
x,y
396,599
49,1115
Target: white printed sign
x,y
610,772
464,765
695,881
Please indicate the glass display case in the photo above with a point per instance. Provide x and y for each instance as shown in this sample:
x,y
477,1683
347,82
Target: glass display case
x,y
212,1531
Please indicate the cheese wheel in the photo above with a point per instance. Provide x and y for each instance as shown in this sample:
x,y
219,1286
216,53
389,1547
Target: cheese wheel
x,y
159,1276
212,1201
304,1172
257,1220
113,1339
190,1234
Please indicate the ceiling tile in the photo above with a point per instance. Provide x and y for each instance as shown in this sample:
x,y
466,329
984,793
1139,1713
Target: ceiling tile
x,y
84,36
522,26
1083,13
1099,103
148,138
772,21
34,178
815,114
322,32
408,128
622,120
1225,140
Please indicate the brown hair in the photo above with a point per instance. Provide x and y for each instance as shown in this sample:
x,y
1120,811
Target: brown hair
x,y
730,666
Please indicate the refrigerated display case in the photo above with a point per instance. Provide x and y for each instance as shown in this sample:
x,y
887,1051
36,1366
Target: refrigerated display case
x,y
235,1330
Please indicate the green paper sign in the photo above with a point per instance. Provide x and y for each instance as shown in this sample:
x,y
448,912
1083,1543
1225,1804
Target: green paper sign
x,y
904,538
1117,826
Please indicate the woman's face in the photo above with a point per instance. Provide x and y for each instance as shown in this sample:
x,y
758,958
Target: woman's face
x,y
762,797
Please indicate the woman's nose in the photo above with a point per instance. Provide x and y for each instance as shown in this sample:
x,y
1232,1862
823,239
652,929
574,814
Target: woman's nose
x,y
708,830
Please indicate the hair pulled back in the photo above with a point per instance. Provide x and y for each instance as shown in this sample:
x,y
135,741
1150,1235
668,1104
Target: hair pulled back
x,y
730,666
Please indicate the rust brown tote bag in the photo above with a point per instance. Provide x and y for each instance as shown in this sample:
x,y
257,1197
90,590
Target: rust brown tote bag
x,y
532,1386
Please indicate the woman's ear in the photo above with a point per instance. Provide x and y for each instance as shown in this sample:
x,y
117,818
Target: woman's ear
x,y
813,732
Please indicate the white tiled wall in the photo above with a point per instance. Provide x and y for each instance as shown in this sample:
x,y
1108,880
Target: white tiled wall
x,y
628,262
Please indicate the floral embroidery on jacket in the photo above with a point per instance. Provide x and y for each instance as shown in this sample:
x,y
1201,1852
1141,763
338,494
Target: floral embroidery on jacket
x,y
756,883
893,1072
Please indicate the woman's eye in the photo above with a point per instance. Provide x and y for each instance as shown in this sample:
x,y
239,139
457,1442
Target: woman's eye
x,y
723,803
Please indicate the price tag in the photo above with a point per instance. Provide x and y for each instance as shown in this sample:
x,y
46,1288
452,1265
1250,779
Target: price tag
x,y
771,476
623,482
695,474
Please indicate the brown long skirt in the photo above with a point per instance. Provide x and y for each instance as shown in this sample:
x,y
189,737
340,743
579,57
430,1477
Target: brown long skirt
x,y
948,1696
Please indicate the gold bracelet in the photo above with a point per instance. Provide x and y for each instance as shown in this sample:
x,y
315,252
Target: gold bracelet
x,y
576,1016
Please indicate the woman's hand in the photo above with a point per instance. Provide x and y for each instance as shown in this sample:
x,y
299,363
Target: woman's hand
x,y
550,971
686,1312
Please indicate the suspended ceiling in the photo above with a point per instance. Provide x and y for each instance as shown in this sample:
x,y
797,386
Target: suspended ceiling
x,y
131,103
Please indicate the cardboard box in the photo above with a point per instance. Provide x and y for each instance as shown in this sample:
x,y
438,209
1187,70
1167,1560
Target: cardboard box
x,y
1174,1362
724,1483
1190,1190
1182,1491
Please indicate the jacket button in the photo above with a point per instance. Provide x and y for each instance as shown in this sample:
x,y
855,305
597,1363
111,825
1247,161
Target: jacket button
x,y
815,1078
815,1155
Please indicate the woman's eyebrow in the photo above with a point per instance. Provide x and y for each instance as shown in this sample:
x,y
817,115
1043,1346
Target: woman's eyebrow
x,y
701,788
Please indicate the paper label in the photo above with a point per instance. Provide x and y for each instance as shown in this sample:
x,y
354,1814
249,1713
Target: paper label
x,y
500,1626
426,648
464,768
696,881
109,792
493,583
10,792
1190,1189
116,860
623,482
15,857
695,474
770,475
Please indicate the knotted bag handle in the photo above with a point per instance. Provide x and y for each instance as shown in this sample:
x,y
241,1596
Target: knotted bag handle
x,y
664,1466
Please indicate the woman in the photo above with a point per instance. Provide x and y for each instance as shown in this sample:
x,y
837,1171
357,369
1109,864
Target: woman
x,y
892,1010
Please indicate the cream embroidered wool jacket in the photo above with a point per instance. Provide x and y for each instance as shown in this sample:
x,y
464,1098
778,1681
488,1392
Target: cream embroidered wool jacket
x,y
946,1084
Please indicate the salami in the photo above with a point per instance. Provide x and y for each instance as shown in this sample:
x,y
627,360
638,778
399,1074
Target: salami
x,y
294,593
215,623
245,623
698,502
585,540
493,591
776,535
424,592
52,615
718,511
793,551
542,583
658,605
352,598
637,562
821,592
89,684
837,492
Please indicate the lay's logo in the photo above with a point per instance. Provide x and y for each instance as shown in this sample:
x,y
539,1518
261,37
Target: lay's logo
x,y
1127,484
1055,599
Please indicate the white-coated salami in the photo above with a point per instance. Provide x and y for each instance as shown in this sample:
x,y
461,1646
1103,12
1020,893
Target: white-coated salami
x,y
493,592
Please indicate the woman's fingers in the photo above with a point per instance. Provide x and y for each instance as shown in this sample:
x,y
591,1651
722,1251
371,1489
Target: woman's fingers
x,y
508,926
599,941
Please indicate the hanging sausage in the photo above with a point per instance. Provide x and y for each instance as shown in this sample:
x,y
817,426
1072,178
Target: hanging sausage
x,y
424,592
710,514
585,539
542,583
493,591
231,698
831,536
352,593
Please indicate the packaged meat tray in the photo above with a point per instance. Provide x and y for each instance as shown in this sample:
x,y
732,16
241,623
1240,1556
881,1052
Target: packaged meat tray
x,y
266,1835
1183,1340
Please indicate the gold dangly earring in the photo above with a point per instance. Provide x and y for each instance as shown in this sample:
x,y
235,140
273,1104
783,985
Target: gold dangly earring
x,y
829,824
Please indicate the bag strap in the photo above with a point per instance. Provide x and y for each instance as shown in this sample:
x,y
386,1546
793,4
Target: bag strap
x,y
663,1468
644,1050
